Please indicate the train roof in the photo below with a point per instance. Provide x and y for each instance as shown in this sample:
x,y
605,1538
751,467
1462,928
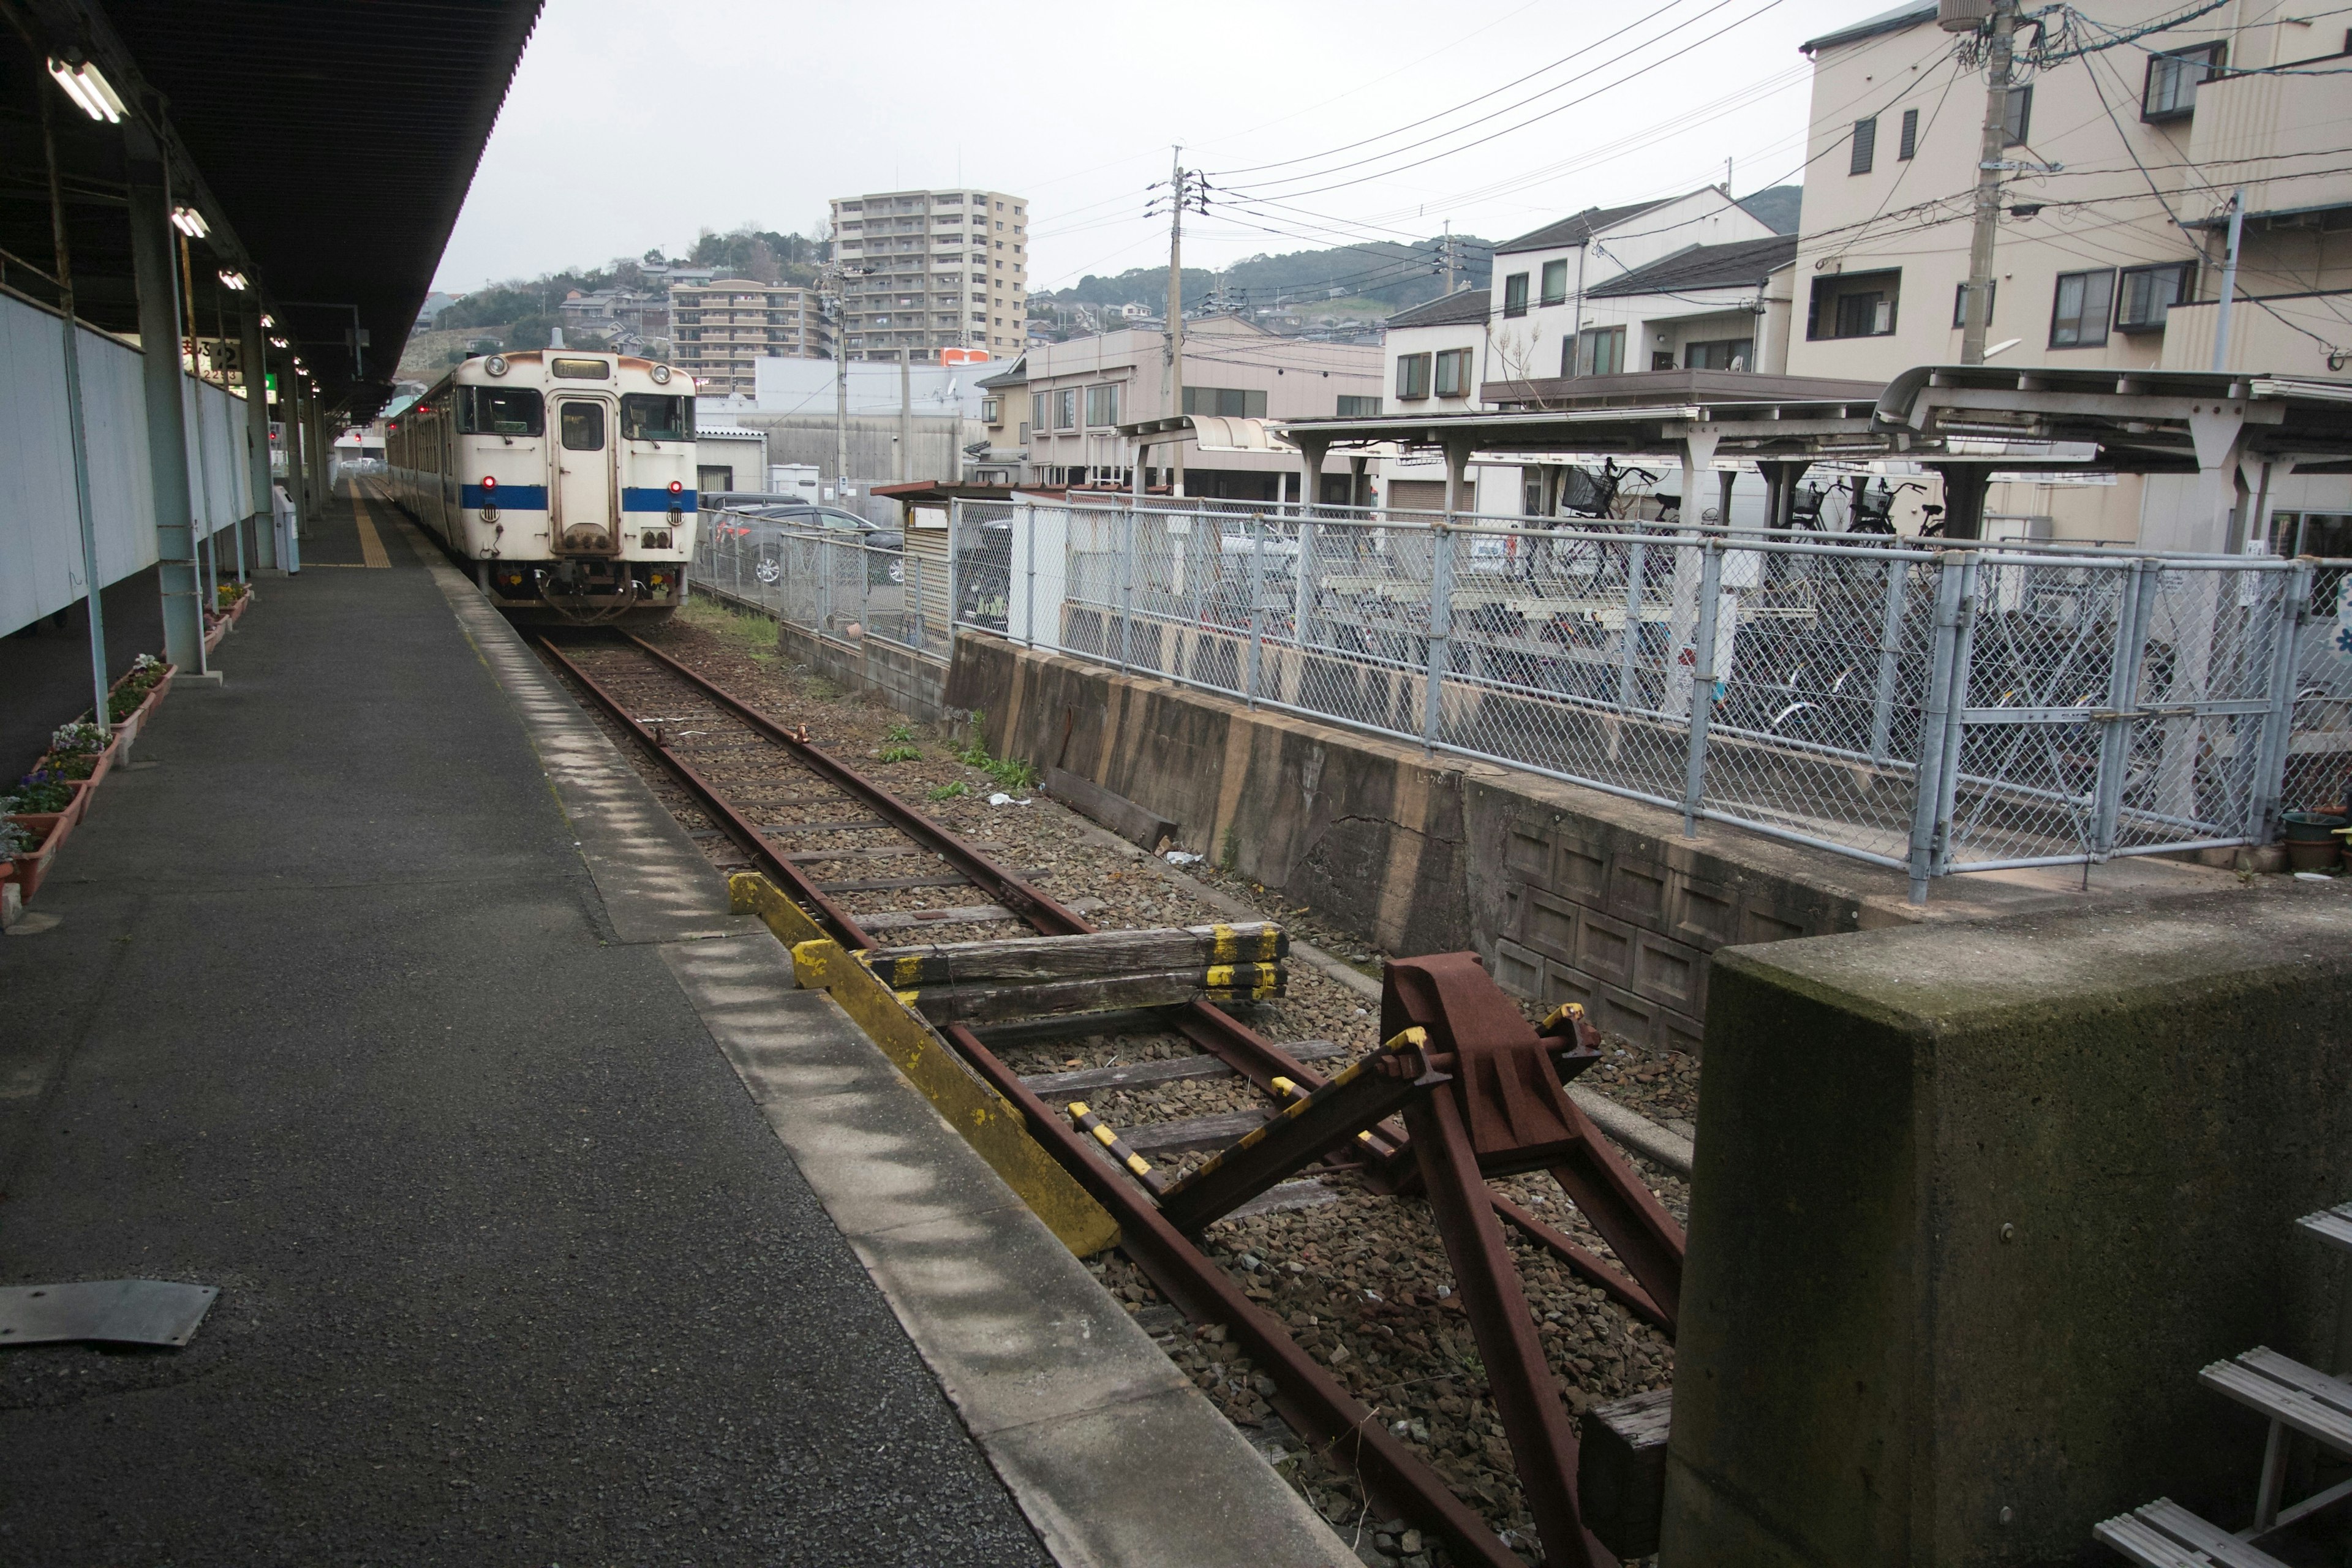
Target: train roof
x,y
472,374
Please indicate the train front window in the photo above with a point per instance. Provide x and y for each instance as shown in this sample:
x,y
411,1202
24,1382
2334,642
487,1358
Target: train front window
x,y
500,410
651,416
582,425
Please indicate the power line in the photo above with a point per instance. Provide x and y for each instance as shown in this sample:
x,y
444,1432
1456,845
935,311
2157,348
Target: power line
x,y
1532,119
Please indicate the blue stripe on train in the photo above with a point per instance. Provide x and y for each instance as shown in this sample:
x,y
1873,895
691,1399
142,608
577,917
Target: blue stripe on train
x,y
637,499
511,498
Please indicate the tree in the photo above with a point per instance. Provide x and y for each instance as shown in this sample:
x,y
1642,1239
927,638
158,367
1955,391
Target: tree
x,y
531,331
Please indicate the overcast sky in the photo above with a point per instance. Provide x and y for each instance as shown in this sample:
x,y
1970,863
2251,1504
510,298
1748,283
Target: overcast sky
x,y
631,126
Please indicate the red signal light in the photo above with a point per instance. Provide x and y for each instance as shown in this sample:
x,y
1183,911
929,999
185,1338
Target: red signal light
x,y
677,488
489,482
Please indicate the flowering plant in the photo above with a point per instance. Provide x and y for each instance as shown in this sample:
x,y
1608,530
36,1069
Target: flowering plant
x,y
40,790
81,735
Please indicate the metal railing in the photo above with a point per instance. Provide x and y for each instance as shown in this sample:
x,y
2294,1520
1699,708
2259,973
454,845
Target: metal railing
x,y
825,583
1925,708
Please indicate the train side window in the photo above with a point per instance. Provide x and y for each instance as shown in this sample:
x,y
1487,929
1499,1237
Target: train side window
x,y
652,416
500,410
582,425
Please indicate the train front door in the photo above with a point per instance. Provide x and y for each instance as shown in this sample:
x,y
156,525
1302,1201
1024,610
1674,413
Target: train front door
x,y
587,489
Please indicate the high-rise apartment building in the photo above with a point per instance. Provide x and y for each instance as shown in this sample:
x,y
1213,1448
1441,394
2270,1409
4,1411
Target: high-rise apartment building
x,y
940,270
721,329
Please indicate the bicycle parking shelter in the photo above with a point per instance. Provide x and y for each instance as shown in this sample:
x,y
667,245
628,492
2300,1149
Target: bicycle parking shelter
x,y
1992,705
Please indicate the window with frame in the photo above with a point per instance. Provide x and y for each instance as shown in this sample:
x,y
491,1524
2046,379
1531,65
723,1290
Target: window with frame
x,y
1597,351
1037,410
1909,143
1720,353
1960,302
1102,403
2173,77
1865,146
1854,305
1226,402
1413,375
2078,308
2145,295
992,410
2017,116
1555,281
1453,373
1515,294
1352,406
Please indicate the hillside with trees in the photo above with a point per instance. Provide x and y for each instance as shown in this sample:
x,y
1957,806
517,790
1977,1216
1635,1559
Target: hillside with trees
x,y
1395,275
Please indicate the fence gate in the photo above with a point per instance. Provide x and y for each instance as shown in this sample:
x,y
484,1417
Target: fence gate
x,y
2110,708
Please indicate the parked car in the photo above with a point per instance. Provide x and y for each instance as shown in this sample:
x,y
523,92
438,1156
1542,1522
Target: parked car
x,y
757,529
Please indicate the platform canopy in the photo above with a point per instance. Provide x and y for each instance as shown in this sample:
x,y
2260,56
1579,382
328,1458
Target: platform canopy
x,y
2015,418
327,148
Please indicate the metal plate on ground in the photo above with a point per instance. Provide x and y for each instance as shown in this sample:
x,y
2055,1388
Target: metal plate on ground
x,y
110,1311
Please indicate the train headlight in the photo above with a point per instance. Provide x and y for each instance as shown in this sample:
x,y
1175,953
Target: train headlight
x,y
661,375
496,365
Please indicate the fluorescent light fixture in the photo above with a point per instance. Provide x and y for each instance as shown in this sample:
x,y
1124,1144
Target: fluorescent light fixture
x,y
234,280
91,92
265,320
2002,347
276,343
190,221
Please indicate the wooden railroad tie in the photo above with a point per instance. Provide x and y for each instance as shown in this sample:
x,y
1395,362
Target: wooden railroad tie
x,y
1030,977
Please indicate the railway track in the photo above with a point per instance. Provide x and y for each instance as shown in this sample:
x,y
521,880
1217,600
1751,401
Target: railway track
x,y
874,871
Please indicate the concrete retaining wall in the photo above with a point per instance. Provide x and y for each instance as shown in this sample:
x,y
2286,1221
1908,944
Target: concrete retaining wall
x,y
908,681
1570,894
1973,1204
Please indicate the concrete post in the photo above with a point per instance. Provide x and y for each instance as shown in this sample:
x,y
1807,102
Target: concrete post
x,y
167,431
1310,473
1629,687
1927,782
1890,657
1457,469
1256,608
1357,463
252,357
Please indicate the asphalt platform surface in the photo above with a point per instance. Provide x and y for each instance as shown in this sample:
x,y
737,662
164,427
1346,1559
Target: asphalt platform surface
x,y
511,1270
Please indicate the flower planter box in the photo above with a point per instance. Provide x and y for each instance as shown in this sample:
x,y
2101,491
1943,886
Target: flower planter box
x,y
97,772
50,828
127,728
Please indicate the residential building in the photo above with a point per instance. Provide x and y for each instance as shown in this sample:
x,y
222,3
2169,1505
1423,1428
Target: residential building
x,y
1005,417
1081,391
721,331
1440,343
938,270
2113,229
622,317
1541,325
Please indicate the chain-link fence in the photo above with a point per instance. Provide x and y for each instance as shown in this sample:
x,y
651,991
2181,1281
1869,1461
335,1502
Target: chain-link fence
x,y
2318,767
1927,709
826,582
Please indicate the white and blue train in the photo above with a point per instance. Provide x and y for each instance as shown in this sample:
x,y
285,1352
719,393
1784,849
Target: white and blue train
x,y
567,478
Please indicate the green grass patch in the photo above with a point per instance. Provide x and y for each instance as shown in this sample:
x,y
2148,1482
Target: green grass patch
x,y
902,754
948,792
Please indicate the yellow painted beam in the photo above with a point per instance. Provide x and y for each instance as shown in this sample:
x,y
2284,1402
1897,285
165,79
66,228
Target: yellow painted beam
x,y
994,1129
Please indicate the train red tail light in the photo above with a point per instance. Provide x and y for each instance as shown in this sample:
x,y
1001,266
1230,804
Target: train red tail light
x,y
489,482
676,487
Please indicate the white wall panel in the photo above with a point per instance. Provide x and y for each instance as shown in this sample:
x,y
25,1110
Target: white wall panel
x,y
40,543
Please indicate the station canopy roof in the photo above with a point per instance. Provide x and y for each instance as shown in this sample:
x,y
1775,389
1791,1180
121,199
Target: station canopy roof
x,y
2109,420
329,148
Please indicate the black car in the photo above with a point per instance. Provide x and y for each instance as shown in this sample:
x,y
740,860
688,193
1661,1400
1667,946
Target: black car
x,y
757,529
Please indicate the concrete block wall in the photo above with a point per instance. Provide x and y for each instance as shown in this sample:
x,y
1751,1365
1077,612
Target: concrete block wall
x,y
913,683
1570,894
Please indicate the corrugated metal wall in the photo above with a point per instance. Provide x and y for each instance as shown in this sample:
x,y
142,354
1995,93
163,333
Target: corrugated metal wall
x,y
40,540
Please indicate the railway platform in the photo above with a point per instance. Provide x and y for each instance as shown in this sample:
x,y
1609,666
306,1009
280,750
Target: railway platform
x,y
551,1224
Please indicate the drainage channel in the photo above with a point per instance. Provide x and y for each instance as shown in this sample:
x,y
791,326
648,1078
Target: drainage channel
x,y
830,838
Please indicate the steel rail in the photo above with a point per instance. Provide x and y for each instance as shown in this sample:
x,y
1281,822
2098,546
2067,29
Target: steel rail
x,y
1314,1401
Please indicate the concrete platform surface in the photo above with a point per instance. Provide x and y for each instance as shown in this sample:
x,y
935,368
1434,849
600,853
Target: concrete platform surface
x,y
512,1269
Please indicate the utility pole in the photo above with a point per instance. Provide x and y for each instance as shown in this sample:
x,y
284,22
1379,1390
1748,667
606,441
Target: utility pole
x,y
2229,281
2000,36
1449,257
1176,189
830,293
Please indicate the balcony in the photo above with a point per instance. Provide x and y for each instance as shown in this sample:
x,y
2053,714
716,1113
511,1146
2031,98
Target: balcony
x,y
2272,135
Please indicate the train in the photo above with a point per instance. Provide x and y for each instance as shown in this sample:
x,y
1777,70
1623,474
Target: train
x,y
565,478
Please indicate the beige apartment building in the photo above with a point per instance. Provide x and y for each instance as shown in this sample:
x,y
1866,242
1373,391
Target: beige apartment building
x,y
938,270
2114,225
1075,396
720,330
